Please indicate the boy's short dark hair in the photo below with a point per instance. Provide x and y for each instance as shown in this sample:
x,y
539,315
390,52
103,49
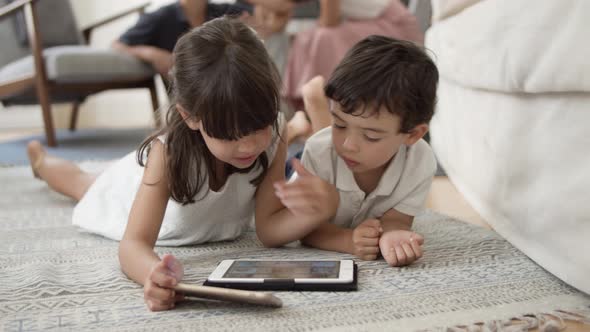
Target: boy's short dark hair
x,y
381,71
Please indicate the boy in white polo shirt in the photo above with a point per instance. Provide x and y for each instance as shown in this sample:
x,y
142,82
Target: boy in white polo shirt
x,y
361,181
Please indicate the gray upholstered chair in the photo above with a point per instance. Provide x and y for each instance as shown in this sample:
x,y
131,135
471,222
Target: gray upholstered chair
x,y
45,58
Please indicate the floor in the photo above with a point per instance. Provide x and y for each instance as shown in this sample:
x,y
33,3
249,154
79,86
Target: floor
x,y
443,198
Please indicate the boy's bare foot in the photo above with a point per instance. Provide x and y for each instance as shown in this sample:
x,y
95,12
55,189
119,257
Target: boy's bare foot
x,y
299,126
36,154
313,91
316,103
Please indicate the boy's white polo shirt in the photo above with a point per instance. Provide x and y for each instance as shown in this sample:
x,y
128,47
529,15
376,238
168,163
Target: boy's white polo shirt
x,y
404,186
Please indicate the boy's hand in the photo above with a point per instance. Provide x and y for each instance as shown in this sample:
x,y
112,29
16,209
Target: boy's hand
x,y
308,195
365,239
158,290
400,247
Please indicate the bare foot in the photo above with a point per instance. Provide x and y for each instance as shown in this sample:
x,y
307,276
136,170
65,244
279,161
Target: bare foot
x,y
313,90
316,103
36,154
299,126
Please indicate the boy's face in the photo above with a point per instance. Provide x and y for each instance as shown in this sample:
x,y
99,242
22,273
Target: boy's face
x,y
367,143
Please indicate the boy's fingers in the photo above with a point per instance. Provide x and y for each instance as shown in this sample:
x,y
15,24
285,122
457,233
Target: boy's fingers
x,y
279,185
400,254
374,224
418,238
410,255
368,241
299,168
417,248
390,257
369,232
369,257
370,250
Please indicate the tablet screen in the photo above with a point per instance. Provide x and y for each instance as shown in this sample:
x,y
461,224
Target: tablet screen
x,y
284,269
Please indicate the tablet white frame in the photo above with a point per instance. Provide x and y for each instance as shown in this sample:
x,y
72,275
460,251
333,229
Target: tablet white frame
x,y
345,274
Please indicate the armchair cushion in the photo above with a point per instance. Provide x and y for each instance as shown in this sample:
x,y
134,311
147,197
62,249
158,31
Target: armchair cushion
x,y
80,64
53,32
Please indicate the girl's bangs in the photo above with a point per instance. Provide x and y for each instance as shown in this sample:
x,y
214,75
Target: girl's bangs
x,y
236,117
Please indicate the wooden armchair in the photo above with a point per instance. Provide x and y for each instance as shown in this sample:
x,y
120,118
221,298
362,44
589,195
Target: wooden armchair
x,y
60,67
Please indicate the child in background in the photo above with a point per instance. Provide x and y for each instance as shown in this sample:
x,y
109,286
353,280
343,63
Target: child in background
x,y
361,181
194,181
153,37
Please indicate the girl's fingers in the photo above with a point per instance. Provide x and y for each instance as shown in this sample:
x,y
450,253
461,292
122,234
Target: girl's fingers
x,y
162,294
155,305
173,265
163,278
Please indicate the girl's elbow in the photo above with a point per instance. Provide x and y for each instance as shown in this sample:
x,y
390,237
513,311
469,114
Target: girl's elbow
x,y
266,240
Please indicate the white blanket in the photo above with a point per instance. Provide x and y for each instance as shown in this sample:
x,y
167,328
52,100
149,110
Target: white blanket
x,y
516,46
512,122
522,162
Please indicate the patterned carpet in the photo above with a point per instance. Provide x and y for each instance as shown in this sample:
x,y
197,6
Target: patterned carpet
x,y
54,277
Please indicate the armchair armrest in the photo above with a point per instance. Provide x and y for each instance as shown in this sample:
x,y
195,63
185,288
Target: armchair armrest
x,y
86,32
13,6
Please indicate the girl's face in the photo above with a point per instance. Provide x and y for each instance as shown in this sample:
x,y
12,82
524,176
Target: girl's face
x,y
241,153
367,143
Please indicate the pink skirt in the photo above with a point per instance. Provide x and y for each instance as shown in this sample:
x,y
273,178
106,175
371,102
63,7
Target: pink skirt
x,y
319,50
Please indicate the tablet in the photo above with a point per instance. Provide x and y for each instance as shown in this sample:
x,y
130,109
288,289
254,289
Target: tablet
x,y
321,275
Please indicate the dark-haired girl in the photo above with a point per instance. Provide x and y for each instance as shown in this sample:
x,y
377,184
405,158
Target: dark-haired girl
x,y
196,180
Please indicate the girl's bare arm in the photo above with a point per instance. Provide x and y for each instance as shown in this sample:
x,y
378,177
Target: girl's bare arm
x,y
136,249
275,224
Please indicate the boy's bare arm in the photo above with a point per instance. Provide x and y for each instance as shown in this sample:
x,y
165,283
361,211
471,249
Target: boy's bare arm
x,y
395,220
398,244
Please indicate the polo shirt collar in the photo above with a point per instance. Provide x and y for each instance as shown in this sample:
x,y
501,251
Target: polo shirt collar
x,y
345,179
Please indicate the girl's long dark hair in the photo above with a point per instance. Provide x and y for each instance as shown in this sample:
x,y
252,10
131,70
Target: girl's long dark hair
x,y
222,76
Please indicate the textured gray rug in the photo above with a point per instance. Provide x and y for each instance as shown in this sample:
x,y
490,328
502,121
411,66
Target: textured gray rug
x,y
54,277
